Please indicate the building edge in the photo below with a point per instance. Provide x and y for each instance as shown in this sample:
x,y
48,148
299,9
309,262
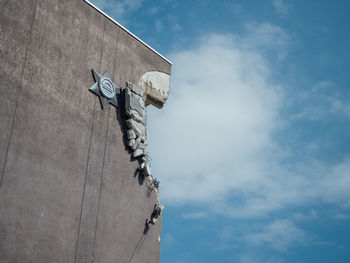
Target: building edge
x,y
128,31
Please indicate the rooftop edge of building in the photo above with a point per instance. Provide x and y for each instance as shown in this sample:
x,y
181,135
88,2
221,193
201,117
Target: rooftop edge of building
x,y
126,30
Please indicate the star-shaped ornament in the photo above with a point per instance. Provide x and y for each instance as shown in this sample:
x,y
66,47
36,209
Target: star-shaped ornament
x,y
105,89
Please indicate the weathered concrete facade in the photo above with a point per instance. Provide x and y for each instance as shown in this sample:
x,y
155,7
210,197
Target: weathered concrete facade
x,y
68,187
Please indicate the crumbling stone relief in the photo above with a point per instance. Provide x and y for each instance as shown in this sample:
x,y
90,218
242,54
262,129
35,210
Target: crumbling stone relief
x,y
155,87
157,210
136,123
152,88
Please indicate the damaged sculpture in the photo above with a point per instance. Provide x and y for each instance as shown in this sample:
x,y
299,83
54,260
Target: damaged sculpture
x,y
152,88
136,125
157,210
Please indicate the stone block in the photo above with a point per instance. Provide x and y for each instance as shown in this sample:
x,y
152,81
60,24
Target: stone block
x,y
131,134
138,152
138,128
147,170
134,88
134,102
133,114
136,144
131,143
142,146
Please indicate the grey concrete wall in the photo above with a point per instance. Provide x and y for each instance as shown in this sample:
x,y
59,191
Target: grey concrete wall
x,y
68,191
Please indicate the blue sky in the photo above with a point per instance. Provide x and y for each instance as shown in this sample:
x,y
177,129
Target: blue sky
x,y
252,146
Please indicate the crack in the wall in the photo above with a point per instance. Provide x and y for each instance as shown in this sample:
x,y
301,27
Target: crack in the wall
x,y
19,92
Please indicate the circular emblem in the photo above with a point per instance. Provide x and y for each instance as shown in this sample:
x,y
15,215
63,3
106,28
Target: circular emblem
x,y
107,88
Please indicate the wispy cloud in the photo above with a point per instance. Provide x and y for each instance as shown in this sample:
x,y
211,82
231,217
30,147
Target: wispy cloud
x,y
159,25
280,235
340,216
321,101
153,10
235,8
119,10
281,7
266,37
173,23
195,215
226,233
311,215
341,106
176,28
249,258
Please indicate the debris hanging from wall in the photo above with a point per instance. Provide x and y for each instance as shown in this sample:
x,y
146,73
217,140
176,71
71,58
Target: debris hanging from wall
x,y
136,129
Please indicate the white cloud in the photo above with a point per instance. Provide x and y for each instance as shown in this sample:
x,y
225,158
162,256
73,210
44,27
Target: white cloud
x,y
281,7
300,184
214,141
280,235
217,122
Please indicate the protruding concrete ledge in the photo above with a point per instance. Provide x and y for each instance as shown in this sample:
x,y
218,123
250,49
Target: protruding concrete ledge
x,y
155,87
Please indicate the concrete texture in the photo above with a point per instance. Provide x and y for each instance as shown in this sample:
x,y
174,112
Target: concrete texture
x,y
68,187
